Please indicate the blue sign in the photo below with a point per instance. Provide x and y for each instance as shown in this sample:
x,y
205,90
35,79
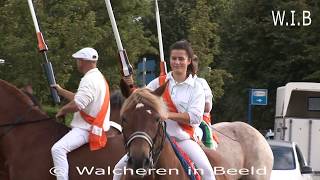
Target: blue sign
x,y
146,72
259,97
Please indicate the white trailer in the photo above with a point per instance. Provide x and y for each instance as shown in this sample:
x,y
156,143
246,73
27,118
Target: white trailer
x,y
297,118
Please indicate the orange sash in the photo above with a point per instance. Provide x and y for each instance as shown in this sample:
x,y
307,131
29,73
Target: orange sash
x,y
172,108
207,119
97,136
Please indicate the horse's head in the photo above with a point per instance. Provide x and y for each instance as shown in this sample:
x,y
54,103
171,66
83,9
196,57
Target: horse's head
x,y
143,129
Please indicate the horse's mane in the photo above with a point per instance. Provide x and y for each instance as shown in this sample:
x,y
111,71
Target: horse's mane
x,y
15,92
144,96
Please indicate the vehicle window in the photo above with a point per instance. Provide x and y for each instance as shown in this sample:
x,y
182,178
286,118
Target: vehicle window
x,y
283,158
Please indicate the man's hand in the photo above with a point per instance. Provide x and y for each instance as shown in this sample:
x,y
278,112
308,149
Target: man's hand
x,y
61,114
63,92
57,87
128,80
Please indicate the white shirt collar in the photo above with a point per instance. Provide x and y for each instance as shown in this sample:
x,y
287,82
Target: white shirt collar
x,y
91,71
190,80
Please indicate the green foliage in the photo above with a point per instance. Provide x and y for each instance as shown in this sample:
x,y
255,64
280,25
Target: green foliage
x,y
216,79
174,16
50,110
236,39
261,55
201,33
68,26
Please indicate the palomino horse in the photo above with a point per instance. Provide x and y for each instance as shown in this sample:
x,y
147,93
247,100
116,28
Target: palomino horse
x,y
27,135
242,154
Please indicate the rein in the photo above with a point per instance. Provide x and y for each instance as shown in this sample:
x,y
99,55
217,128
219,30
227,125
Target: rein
x,y
24,123
225,135
19,121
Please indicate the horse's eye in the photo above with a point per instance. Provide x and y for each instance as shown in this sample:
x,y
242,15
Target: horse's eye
x,y
158,119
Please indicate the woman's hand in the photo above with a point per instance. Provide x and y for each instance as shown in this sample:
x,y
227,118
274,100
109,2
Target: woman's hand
x,y
164,116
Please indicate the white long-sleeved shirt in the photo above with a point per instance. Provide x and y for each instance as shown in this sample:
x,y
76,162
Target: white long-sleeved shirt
x,y
89,98
187,96
207,90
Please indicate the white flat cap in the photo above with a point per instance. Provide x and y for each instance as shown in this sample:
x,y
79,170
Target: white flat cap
x,y
87,53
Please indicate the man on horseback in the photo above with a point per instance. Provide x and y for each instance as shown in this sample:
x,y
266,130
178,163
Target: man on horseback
x,y
185,99
90,105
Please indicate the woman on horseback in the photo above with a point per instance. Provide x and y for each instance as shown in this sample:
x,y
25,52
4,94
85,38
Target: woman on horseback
x,y
185,99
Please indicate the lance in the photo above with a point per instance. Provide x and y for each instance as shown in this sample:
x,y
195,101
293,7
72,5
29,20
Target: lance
x,y
126,68
43,48
163,66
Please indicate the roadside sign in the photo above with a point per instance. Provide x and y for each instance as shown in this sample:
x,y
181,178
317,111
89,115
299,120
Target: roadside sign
x,y
259,97
256,97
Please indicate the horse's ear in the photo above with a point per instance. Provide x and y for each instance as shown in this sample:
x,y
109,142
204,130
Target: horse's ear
x,y
125,89
160,90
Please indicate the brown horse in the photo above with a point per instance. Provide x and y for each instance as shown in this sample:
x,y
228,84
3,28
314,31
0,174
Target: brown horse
x,y
27,135
242,154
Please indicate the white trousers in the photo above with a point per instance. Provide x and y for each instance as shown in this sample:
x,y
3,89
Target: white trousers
x,y
71,141
193,150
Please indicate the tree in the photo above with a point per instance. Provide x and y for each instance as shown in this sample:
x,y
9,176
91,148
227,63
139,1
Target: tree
x,y
202,33
68,26
261,55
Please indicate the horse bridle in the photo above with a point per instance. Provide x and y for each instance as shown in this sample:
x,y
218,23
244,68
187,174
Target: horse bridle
x,y
19,121
154,153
